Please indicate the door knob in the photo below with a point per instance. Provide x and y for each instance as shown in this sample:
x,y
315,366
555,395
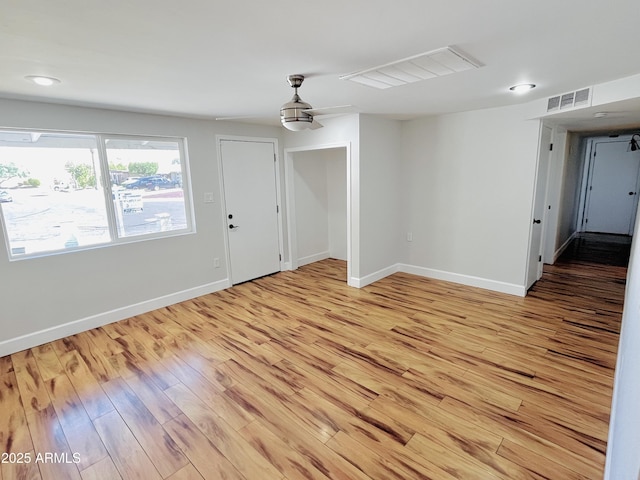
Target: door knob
x,y
537,221
232,226
632,193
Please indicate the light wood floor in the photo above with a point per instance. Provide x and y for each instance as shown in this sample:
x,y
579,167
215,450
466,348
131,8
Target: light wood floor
x,y
297,376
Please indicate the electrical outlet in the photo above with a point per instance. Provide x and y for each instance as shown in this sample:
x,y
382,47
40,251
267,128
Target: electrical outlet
x,y
216,263
409,237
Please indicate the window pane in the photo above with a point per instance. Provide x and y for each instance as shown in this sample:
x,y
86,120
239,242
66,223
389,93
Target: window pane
x,y
146,181
50,192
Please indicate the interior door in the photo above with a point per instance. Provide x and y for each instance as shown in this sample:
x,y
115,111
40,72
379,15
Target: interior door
x,y
249,176
534,268
613,188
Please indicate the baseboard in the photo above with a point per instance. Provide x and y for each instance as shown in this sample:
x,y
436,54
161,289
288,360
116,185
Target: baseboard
x,y
313,258
31,340
374,277
564,246
469,280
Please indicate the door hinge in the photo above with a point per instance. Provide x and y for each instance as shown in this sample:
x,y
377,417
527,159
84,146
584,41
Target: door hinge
x,y
277,208
539,258
280,256
274,157
586,220
551,147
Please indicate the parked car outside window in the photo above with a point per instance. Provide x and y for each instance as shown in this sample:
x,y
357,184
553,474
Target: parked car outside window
x,y
5,197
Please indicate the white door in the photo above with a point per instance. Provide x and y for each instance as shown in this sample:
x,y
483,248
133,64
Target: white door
x,y
249,176
613,187
534,268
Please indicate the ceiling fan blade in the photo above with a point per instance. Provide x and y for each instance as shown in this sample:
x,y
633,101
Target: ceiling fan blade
x,y
315,125
335,110
241,117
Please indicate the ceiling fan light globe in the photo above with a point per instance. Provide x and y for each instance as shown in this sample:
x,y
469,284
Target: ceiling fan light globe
x,y
296,125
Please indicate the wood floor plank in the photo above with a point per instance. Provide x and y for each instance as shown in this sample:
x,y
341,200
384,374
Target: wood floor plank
x,y
51,450
47,361
536,463
152,397
127,455
75,422
202,453
188,472
102,470
21,471
91,395
295,465
32,391
14,434
154,440
222,435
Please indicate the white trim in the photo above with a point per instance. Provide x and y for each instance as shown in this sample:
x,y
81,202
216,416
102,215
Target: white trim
x,y
30,340
373,277
564,246
468,280
313,258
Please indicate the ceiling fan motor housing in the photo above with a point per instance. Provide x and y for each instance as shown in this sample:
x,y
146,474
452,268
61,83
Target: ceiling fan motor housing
x,y
294,111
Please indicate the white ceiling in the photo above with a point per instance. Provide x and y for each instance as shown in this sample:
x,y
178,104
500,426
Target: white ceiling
x,y
210,58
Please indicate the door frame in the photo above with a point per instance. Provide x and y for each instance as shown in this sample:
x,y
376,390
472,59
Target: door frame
x,y
290,200
545,154
223,203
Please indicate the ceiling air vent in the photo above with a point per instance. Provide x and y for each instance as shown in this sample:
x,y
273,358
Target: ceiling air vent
x,y
437,63
579,98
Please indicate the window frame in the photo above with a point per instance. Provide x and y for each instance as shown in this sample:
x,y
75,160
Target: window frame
x,y
105,183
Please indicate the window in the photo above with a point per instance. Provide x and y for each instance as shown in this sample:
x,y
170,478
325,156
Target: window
x,y
66,191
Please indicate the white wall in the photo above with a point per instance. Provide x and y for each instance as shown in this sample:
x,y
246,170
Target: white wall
x,y
40,298
380,197
571,193
553,204
336,162
623,460
468,182
311,207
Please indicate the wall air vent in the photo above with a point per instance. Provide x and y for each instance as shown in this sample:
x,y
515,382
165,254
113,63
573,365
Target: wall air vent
x,y
566,100
579,98
437,63
582,97
553,103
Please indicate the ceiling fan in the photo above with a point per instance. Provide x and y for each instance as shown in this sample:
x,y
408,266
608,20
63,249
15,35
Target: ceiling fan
x,y
296,114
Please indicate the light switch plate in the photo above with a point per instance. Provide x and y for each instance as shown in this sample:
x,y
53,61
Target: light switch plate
x,y
208,197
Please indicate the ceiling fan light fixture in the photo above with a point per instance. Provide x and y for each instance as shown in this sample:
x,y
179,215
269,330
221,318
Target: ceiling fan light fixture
x,y
292,114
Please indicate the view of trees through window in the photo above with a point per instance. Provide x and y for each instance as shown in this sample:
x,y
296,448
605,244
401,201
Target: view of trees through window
x,y
61,191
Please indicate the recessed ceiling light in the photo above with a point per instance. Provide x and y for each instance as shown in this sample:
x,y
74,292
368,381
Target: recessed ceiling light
x,y
42,81
523,87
